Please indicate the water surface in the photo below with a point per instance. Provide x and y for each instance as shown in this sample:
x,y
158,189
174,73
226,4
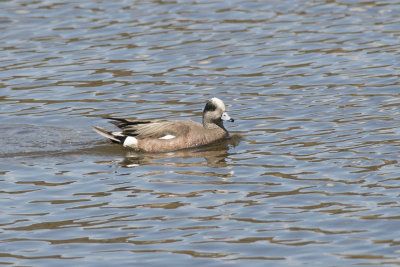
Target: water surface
x,y
309,177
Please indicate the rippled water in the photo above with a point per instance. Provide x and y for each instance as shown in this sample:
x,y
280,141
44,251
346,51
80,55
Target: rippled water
x,y
310,176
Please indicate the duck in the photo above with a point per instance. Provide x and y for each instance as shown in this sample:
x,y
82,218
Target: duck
x,y
170,135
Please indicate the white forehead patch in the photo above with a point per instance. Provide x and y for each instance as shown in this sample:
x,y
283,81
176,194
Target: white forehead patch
x,y
218,103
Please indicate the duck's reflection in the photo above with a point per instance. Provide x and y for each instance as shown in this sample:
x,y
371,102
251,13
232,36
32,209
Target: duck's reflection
x,y
214,154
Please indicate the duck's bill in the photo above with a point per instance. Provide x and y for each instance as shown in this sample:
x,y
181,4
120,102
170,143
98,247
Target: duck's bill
x,y
226,117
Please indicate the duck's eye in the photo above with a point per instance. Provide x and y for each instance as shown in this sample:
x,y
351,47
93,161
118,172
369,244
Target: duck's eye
x,y
210,107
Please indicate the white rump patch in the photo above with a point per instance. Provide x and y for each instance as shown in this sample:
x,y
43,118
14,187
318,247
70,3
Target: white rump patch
x,y
130,141
166,137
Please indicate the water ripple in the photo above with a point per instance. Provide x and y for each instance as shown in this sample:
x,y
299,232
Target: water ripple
x,y
310,175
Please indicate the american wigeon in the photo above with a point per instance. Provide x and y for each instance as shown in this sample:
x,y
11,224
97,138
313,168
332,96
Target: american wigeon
x,y
170,135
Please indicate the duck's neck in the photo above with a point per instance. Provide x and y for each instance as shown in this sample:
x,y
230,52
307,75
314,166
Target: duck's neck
x,y
213,125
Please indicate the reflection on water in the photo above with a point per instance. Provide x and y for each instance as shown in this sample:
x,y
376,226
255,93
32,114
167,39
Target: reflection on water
x,y
309,176
214,155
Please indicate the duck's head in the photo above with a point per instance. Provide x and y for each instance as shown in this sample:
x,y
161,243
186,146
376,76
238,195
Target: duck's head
x,y
214,113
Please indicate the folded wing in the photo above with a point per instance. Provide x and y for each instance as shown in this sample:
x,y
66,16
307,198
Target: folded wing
x,y
160,129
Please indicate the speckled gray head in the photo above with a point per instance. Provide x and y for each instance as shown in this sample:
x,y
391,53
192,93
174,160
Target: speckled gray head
x,y
217,106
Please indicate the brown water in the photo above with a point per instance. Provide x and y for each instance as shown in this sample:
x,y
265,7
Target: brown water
x,y
309,178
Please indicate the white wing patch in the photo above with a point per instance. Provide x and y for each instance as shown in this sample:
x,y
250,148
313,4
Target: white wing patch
x,y
166,137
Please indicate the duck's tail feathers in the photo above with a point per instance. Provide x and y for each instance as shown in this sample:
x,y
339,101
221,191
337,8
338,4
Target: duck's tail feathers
x,y
116,137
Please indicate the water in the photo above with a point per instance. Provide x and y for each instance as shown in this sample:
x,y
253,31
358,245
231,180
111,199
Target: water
x,y
309,177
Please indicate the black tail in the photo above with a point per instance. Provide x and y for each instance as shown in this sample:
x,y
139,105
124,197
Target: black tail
x,y
114,137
